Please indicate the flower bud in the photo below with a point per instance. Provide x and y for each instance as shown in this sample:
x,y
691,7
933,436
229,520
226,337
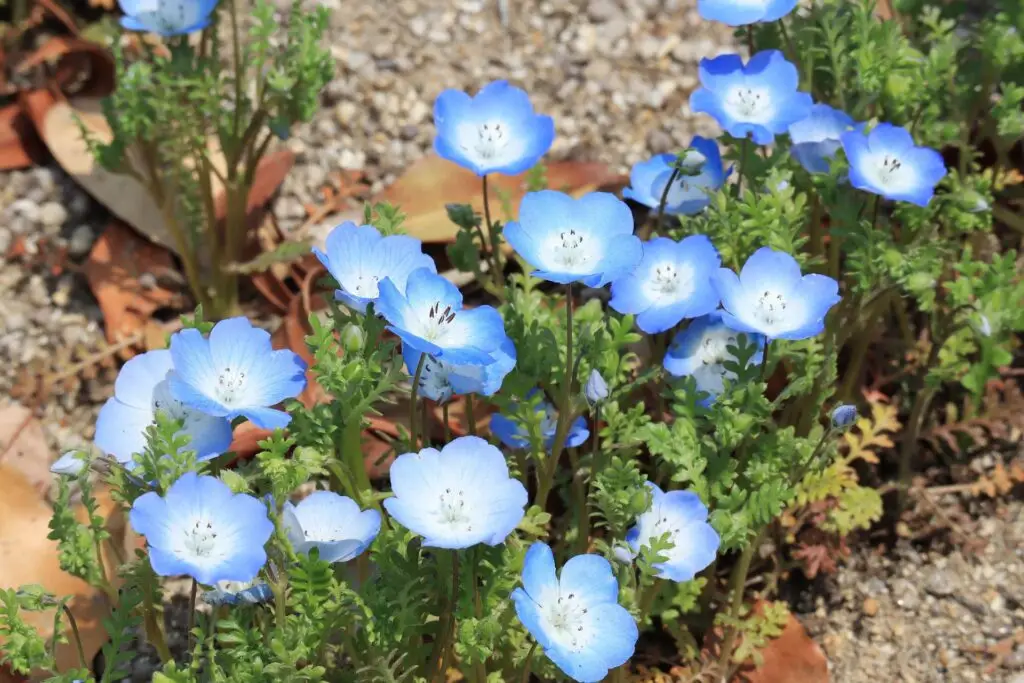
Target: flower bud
x,y
68,464
843,416
596,389
353,338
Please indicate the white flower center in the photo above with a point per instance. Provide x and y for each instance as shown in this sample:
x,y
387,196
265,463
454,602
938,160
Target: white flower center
x,y
231,385
670,281
770,308
891,173
438,322
174,409
573,251
364,286
452,511
491,139
746,103
568,622
198,540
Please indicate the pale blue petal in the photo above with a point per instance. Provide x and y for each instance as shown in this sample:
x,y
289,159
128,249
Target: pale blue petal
x,y
508,432
590,579
529,614
578,433
769,269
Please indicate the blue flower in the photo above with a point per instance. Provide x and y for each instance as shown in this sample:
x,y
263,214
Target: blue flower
x,y
332,524
596,389
235,372
429,318
70,464
589,240
689,194
440,380
682,516
167,17
816,138
672,282
770,297
238,593
495,132
456,497
736,13
702,350
359,258
514,435
575,615
886,162
844,416
142,387
201,529
760,99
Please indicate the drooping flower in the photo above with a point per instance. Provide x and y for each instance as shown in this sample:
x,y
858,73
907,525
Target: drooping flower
x,y
70,464
588,240
358,257
238,593
689,194
141,389
429,318
742,13
886,162
672,282
167,17
515,435
816,138
496,131
702,350
332,524
235,372
596,389
772,298
201,529
456,497
440,380
844,416
682,515
575,615
759,99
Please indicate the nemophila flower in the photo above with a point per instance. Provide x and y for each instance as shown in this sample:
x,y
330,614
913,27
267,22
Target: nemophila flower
x,y
456,497
596,389
672,282
235,373
496,131
844,416
702,350
759,99
682,516
689,193
141,389
429,318
69,464
575,614
588,240
238,593
816,138
741,13
332,524
201,529
515,435
772,298
440,380
167,17
886,162
358,257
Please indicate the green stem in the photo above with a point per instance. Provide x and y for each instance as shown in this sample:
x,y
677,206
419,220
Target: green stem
x,y
352,455
737,581
744,154
525,678
192,615
447,423
664,196
77,635
922,401
565,414
764,359
446,626
790,45
479,669
470,416
493,252
647,598
579,494
412,401
154,631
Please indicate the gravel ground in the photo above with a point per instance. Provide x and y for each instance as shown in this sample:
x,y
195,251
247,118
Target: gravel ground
x,y
615,75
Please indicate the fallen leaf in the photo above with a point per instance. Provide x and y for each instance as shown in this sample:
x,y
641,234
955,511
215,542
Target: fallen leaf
x,y
23,447
432,182
125,273
793,657
27,556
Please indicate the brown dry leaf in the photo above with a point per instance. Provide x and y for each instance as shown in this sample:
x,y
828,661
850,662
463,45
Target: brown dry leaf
x,y
124,272
432,182
28,557
791,658
23,447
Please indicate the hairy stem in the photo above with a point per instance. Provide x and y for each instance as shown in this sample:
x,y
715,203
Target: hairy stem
x,y
470,416
446,626
77,635
413,421
737,581
565,412
352,453
527,663
192,616
492,252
